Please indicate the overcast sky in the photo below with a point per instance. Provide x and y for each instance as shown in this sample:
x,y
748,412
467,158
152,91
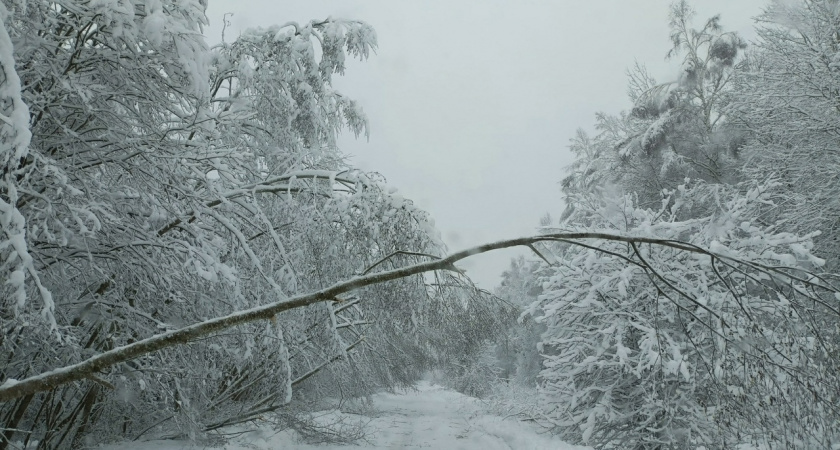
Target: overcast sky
x,y
472,103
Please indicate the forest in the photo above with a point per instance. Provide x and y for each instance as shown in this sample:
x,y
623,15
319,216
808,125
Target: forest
x,y
185,249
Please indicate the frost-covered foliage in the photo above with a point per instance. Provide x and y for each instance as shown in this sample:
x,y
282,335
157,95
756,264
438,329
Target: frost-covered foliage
x,y
785,100
148,182
657,347
664,347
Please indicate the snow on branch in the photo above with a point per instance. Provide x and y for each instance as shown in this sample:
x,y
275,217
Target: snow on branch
x,y
286,183
808,284
15,137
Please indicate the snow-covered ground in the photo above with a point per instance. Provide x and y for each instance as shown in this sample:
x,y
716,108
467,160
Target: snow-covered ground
x,y
430,417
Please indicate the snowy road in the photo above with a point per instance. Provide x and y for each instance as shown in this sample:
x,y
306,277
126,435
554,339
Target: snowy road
x,y
429,418
435,418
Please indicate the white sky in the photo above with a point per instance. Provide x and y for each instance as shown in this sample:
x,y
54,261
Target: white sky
x,y
472,103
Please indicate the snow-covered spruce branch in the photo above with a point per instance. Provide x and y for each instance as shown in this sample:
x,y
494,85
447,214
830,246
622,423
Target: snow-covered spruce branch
x,y
87,369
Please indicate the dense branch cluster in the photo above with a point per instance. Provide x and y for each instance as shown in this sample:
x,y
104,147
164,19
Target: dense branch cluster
x,y
650,347
150,182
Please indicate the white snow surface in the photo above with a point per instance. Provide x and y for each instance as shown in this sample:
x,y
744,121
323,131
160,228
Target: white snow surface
x,y
430,417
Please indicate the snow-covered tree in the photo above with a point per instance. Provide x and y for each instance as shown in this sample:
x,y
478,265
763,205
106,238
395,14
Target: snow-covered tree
x,y
183,246
680,353
517,353
675,129
150,182
656,347
785,100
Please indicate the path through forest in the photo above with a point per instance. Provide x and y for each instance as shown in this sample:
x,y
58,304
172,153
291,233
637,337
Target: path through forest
x,y
430,417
